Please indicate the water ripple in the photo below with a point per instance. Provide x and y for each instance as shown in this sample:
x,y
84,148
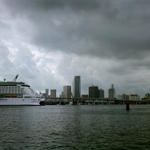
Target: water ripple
x,y
105,127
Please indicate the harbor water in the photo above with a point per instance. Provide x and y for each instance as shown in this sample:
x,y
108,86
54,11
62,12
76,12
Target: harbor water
x,y
67,127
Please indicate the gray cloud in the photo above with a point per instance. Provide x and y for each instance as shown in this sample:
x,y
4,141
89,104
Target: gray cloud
x,y
4,52
117,28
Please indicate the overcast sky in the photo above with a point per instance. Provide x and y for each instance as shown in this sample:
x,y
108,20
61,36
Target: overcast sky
x,y
48,42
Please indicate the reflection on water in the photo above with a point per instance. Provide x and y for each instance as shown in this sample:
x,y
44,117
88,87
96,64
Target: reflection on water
x,y
75,127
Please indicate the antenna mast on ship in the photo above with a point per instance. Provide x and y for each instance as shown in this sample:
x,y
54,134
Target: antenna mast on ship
x,y
15,78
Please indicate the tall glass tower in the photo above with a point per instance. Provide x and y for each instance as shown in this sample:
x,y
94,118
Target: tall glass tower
x,y
111,93
77,87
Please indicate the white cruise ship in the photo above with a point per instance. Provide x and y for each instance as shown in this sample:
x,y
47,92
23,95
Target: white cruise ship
x,y
18,93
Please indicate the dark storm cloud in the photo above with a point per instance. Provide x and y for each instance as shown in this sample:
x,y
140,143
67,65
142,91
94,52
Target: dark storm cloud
x,y
44,5
117,28
131,66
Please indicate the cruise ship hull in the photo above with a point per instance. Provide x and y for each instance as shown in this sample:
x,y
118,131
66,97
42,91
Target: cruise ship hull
x,y
19,102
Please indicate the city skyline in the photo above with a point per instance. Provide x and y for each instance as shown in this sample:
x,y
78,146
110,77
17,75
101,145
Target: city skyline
x,y
48,42
48,90
93,91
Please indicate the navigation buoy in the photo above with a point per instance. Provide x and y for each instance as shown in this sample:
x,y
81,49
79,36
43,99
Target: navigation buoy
x,y
42,103
128,105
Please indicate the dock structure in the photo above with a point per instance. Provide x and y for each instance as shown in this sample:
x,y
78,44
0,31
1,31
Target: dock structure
x,y
93,101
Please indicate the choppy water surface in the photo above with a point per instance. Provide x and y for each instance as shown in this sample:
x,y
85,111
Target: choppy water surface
x,y
75,127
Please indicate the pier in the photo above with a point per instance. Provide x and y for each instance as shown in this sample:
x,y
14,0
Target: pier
x,y
80,101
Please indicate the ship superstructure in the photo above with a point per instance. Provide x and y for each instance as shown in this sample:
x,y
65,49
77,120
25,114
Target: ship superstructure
x,y
18,93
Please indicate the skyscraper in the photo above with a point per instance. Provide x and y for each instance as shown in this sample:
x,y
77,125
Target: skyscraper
x,y
111,93
93,92
77,87
46,92
53,93
101,93
67,91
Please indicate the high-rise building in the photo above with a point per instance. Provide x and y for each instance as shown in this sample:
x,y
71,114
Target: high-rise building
x,y
53,93
111,93
93,92
77,87
101,93
46,92
67,91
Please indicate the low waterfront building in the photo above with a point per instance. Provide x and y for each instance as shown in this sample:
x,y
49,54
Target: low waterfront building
x,y
123,97
119,97
147,96
134,97
85,96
